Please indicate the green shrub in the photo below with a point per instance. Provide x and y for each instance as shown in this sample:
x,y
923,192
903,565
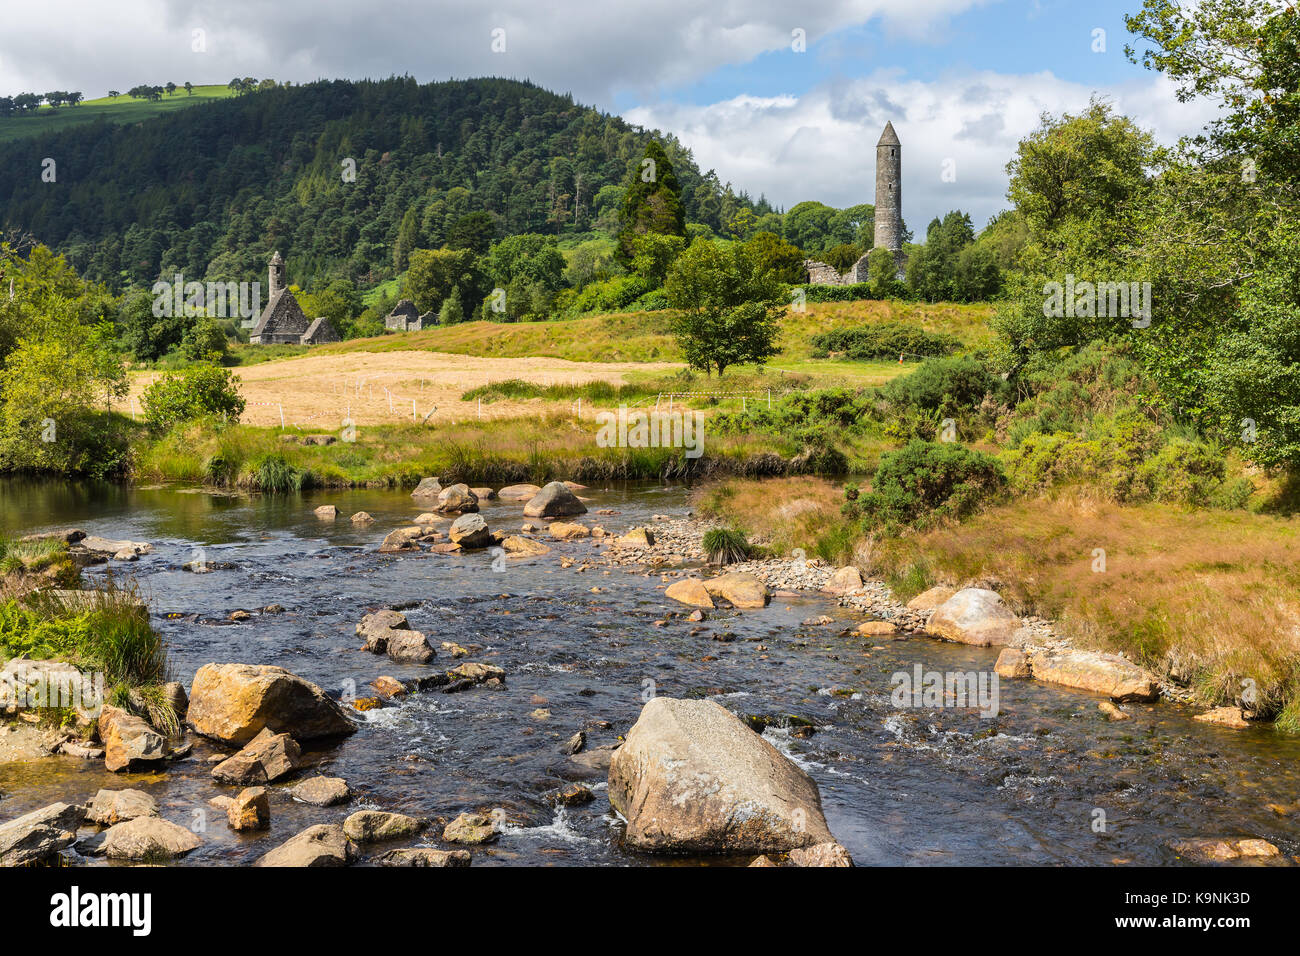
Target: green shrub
x,y
200,391
725,545
887,340
926,481
1183,471
945,386
274,474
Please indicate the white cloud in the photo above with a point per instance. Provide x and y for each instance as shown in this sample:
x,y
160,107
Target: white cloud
x,y
592,49
821,145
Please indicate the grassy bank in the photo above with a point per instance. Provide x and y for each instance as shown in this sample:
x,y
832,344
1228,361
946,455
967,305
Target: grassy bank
x,y
536,449
1208,597
103,631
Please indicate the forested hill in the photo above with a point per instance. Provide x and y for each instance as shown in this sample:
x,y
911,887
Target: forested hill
x,y
212,190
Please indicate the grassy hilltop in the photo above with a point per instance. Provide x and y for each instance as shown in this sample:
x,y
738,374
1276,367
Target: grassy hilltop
x,y
119,110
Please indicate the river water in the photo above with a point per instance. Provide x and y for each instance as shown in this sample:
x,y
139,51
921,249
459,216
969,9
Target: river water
x,y
899,785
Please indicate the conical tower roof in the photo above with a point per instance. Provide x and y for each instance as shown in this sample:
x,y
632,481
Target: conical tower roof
x,y
888,137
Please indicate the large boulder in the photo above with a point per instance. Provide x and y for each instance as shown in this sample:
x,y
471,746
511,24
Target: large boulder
x,y
427,488
470,531
692,778
148,838
39,834
456,499
690,591
321,845
233,703
376,629
518,492
741,588
974,616
117,806
129,742
846,580
1119,679
553,501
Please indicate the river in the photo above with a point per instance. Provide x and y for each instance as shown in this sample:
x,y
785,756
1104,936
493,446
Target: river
x,y
899,786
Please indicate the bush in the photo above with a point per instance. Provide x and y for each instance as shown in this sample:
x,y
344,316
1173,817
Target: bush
x,y
834,293
198,392
946,386
926,481
887,340
725,545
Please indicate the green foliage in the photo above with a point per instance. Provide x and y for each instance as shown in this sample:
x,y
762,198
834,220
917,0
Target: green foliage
x,y
204,341
886,340
199,391
771,253
274,474
725,545
944,386
925,482
728,312
652,200
435,273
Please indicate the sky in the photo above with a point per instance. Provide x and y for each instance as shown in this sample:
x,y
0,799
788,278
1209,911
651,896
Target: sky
x,y
781,101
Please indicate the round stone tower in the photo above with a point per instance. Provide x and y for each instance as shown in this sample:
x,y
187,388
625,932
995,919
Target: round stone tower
x,y
277,272
889,191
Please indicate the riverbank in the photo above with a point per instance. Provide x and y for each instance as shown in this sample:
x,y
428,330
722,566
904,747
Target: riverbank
x,y
1204,599
504,451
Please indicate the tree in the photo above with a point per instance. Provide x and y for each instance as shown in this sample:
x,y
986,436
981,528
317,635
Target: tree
x,y
204,341
774,255
200,391
473,232
728,311
652,201
189,88
654,253
452,311
882,273
434,273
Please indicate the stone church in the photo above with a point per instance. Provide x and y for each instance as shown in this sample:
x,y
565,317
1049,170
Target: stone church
x,y
283,322
889,216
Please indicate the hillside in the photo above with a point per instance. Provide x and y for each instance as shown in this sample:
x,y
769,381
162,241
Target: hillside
x,y
211,192
117,110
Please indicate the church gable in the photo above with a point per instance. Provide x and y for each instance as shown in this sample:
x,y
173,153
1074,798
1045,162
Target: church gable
x,y
283,321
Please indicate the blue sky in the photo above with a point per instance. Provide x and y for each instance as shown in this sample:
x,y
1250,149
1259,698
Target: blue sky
x,y
1021,36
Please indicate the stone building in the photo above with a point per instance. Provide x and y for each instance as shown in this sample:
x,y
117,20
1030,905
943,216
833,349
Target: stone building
x,y
283,322
406,318
889,216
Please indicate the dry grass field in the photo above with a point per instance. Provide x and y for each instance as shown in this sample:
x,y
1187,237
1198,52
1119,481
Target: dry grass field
x,y
320,390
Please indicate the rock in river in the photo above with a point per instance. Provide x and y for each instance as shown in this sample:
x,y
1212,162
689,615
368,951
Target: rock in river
x,y
1119,679
39,834
741,588
233,703
148,838
425,856
692,778
690,591
117,806
553,501
974,616
129,742
322,791
322,845
265,759
470,531
372,826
